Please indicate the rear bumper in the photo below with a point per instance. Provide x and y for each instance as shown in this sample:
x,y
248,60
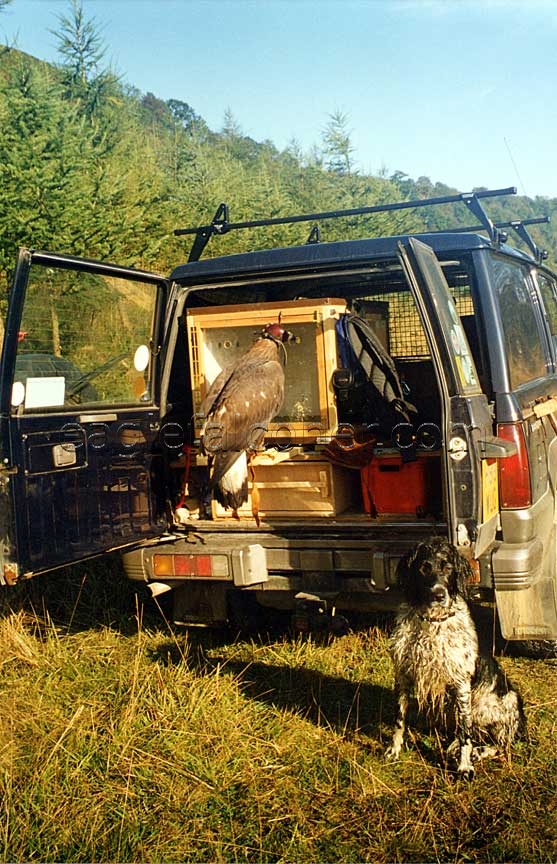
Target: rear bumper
x,y
516,566
343,563
525,574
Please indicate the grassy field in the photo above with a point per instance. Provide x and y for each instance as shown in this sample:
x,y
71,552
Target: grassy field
x,y
123,739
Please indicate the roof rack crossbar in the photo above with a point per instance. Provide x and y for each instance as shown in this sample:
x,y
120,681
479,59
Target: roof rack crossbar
x,y
221,225
518,225
496,235
204,233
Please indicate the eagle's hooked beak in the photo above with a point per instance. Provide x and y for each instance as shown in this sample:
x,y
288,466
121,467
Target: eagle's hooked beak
x,y
290,337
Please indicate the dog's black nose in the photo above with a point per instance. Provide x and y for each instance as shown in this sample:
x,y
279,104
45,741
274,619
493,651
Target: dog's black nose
x,y
439,593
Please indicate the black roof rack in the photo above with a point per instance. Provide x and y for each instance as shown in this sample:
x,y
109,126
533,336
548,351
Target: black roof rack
x,y
517,225
222,225
539,254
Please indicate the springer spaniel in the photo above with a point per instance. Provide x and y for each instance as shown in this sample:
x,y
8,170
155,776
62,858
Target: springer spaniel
x,y
434,647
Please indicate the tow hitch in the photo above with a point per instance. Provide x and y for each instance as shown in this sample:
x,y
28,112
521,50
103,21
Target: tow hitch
x,y
314,613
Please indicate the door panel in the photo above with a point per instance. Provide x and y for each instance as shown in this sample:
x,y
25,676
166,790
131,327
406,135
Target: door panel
x,y
79,395
68,516
50,451
468,427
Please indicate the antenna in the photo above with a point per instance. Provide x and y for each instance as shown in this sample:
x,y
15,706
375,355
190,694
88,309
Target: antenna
x,y
515,167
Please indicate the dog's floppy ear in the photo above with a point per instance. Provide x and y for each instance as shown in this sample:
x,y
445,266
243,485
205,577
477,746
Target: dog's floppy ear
x,y
406,572
462,574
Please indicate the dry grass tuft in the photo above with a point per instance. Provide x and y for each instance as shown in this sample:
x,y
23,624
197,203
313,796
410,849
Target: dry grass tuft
x,y
125,740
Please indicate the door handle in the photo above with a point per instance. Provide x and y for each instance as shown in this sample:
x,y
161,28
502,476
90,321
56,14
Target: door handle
x,y
64,455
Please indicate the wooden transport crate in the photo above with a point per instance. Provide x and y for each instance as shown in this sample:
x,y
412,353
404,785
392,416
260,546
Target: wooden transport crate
x,y
218,335
304,486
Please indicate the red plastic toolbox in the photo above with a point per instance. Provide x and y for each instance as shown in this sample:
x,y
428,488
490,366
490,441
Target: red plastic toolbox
x,y
390,485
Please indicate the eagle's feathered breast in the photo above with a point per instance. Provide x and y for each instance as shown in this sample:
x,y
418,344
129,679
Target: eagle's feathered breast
x,y
238,407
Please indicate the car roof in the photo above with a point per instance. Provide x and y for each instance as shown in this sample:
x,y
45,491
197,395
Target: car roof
x,y
322,255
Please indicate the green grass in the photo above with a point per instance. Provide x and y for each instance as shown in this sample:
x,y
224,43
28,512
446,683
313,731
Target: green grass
x,y
122,739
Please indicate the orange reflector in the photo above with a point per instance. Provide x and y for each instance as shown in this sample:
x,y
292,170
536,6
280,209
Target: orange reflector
x,y
163,565
475,578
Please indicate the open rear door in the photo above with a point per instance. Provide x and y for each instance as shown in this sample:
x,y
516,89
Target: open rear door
x,y
471,451
79,412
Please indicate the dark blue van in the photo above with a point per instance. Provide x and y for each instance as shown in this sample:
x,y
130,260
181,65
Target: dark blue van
x,y
102,451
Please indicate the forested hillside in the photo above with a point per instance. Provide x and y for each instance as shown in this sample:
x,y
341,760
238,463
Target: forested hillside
x,y
92,167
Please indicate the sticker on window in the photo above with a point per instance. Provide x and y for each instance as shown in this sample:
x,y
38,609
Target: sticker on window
x,y
45,392
463,358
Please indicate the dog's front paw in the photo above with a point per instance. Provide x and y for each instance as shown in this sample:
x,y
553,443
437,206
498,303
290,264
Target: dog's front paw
x,y
392,753
465,772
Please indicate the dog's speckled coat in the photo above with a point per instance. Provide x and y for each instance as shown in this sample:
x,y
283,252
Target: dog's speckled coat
x,y
434,647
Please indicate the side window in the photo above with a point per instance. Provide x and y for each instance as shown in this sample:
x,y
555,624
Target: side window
x,y
525,354
548,290
83,341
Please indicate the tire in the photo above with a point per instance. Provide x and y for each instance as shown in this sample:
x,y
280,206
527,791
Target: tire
x,y
543,649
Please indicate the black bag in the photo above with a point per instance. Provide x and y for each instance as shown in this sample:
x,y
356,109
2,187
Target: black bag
x,y
373,393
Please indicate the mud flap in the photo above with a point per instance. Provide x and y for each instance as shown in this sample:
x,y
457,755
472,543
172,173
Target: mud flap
x,y
526,599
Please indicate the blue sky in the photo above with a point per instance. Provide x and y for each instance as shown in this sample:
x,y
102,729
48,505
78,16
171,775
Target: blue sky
x,y
461,91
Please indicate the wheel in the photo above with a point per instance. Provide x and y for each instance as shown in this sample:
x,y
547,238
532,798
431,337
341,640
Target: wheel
x,y
542,649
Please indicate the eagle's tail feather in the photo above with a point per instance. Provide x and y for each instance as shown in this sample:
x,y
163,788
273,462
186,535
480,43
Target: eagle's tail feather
x,y
231,490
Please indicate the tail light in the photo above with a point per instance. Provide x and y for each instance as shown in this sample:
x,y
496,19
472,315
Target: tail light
x,y
514,471
204,566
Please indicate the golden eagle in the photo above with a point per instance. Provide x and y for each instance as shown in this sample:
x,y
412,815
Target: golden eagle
x,y
237,409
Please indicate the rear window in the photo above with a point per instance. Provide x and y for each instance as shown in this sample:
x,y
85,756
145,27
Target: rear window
x,y
525,354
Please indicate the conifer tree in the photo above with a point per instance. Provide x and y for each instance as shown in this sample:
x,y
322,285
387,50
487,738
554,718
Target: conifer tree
x,y
338,147
81,46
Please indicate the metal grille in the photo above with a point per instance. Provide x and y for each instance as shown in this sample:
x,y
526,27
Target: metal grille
x,y
463,300
406,334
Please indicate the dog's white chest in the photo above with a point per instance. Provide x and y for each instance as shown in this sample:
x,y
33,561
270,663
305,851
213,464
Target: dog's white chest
x,y
434,655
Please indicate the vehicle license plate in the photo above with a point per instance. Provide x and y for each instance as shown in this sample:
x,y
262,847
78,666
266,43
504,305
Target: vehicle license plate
x,y
490,486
